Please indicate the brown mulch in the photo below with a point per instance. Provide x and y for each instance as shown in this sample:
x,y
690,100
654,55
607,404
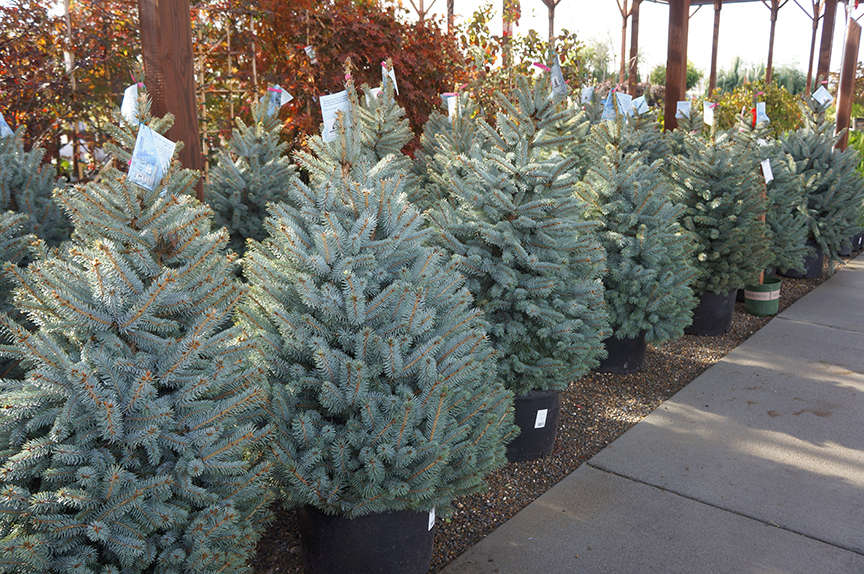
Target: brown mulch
x,y
595,410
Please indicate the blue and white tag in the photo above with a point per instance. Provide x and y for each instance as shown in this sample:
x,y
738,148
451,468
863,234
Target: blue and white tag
x,y
451,100
556,79
766,170
5,130
708,113
609,108
823,96
682,109
332,107
761,116
640,105
587,95
276,98
625,104
150,158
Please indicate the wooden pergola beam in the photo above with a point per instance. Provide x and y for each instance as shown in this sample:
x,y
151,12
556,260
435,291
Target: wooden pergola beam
x,y
676,59
827,39
712,77
166,43
846,92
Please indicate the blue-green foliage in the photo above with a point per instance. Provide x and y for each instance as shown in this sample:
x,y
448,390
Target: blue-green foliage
x,y
26,185
13,249
443,138
649,256
251,172
832,184
129,445
786,216
720,185
534,263
385,392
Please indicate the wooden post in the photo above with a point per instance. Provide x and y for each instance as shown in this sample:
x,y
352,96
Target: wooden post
x,y
847,82
166,44
625,13
450,16
633,80
712,78
827,39
676,59
817,9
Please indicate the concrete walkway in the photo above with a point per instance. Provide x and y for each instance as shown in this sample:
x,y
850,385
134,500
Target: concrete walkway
x,y
755,466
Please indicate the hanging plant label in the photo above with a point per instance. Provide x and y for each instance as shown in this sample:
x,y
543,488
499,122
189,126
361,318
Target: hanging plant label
x,y
5,130
761,116
372,94
766,170
556,79
310,53
129,106
682,109
708,113
823,96
431,519
450,100
276,98
389,74
150,158
625,104
334,107
540,420
587,95
640,105
608,108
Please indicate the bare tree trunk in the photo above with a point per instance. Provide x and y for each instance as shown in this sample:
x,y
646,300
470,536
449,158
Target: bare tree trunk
x,y
450,16
634,48
712,78
769,67
827,39
817,8
623,68
846,90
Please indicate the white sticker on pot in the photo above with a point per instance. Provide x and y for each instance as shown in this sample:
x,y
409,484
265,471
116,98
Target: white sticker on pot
x,y
766,170
431,518
331,106
540,421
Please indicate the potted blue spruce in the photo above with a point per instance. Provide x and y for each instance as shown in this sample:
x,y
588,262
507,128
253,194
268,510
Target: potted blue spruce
x,y
386,399
532,259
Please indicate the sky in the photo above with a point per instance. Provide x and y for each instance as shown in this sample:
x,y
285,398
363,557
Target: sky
x,y
744,30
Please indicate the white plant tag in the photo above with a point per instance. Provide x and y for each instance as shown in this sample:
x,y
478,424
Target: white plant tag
x,y
708,113
587,95
608,114
640,106
682,109
331,105
540,420
761,116
451,101
372,93
310,52
766,170
389,74
5,130
556,79
625,104
276,98
431,519
129,106
823,96
150,158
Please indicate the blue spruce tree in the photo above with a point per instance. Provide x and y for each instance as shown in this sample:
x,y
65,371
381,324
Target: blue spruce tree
x,y
832,184
721,188
533,260
130,445
385,393
252,172
26,186
649,256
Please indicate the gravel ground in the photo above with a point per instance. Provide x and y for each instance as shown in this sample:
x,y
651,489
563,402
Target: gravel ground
x,y
595,410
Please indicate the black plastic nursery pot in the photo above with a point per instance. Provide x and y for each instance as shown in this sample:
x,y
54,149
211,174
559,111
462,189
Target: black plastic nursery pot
x,y
763,300
812,264
537,414
713,315
847,248
385,543
625,355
